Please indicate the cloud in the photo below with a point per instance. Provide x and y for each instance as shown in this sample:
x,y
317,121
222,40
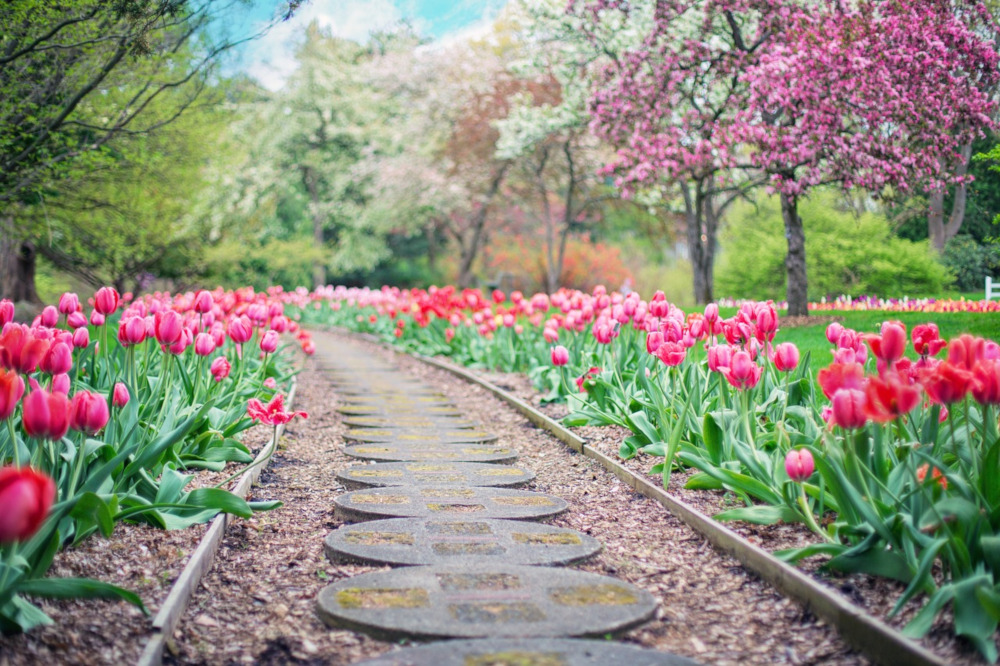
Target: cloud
x,y
271,59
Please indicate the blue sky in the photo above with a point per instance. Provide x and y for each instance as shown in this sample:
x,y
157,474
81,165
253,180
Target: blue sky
x,y
270,59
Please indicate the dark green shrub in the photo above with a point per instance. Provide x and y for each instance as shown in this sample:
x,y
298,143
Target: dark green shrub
x,y
971,261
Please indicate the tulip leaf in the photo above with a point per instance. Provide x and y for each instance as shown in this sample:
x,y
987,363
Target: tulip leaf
x,y
91,510
875,561
217,498
761,515
713,435
268,505
78,588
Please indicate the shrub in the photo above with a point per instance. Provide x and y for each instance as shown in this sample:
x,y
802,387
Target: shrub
x,y
970,261
845,253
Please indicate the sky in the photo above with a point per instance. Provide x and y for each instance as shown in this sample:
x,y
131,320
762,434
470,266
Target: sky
x,y
270,59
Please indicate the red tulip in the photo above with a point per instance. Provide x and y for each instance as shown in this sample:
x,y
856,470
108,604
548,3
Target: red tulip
x,y
966,351
11,390
26,496
6,311
45,415
273,413
936,475
21,349
840,375
560,355
581,381
786,357
889,397
120,396
926,339
88,412
799,464
946,383
849,408
986,383
890,345
106,300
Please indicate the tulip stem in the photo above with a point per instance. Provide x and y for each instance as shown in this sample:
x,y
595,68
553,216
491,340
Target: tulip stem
x,y
14,446
807,514
270,454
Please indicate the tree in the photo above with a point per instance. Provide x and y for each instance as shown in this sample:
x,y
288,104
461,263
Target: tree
x,y
869,96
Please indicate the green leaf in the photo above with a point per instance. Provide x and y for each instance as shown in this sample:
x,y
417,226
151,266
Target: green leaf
x,y
90,509
761,515
972,620
217,498
922,579
702,481
78,588
639,423
714,436
268,505
875,561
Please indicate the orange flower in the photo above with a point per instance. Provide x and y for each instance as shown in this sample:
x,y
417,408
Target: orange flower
x,y
936,475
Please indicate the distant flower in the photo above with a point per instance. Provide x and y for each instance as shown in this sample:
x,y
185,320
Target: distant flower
x,y
273,413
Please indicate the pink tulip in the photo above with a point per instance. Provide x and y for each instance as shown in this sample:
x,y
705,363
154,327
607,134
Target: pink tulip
x,y
653,341
833,332
45,415
61,384
11,390
269,342
88,412
96,318
786,357
167,327
6,311
131,331
560,355
671,353
220,368
120,396
240,330
76,320
849,408
49,316
203,302
58,360
799,464
26,496
106,300
742,372
69,303
204,344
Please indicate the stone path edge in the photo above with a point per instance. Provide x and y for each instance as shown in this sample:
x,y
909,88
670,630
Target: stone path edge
x,y
868,634
200,563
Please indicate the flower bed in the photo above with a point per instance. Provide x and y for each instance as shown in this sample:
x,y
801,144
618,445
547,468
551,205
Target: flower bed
x,y
110,414
886,459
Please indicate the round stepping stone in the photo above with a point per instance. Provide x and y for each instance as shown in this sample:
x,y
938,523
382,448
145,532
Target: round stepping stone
x,y
474,601
390,452
528,652
405,541
385,399
433,474
390,410
411,421
420,436
446,502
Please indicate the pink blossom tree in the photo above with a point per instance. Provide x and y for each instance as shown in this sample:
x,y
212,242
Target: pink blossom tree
x,y
868,95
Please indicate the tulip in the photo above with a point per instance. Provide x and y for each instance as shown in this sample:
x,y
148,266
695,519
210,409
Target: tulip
x,y
767,322
833,332
653,341
560,355
61,384
269,342
96,318
76,320
936,475
88,412
926,339
849,408
11,390
58,360
890,345
671,353
273,413
711,314
742,372
21,348
840,376
131,331
786,357
279,323
947,383
203,302
182,343
45,415
966,351
167,327
986,383
799,465
26,496
220,368
719,357
204,344
49,316
106,300
889,397
241,330
6,311
69,303
120,396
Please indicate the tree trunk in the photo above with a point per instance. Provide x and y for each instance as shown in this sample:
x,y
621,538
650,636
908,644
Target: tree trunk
x,y
469,249
17,268
797,292
700,232
318,267
939,231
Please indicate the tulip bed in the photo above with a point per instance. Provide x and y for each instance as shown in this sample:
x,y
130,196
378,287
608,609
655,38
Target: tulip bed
x,y
889,455
110,411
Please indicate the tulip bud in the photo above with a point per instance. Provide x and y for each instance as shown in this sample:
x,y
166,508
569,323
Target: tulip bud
x,y
220,368
240,330
6,311
799,464
11,390
106,300
203,302
58,360
69,303
49,316
653,341
833,332
279,323
786,357
60,384
269,342
849,408
120,396
167,327
45,415
204,344
26,496
96,318
88,412
560,355
76,320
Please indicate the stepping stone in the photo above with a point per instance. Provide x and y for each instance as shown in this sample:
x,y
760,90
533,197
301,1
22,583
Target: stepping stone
x,y
379,399
389,410
411,421
528,652
405,541
446,502
420,436
475,601
433,474
484,453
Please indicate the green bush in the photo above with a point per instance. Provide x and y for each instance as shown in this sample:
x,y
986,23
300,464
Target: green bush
x,y
970,261
845,253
